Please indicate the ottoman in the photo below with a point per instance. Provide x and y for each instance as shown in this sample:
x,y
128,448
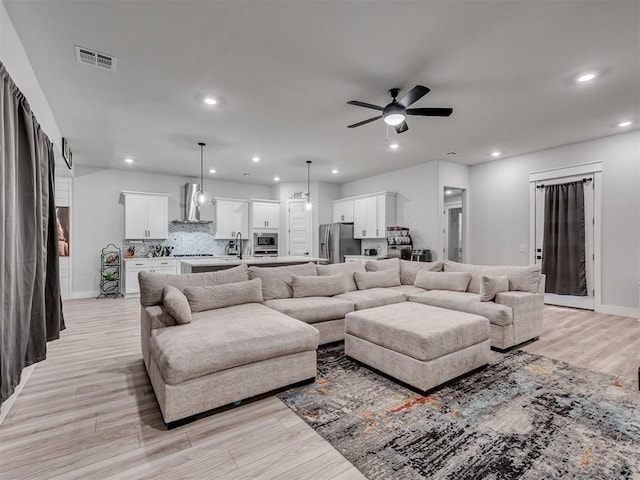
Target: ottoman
x,y
418,344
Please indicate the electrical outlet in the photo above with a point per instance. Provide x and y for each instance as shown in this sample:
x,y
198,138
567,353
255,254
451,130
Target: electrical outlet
x,y
523,248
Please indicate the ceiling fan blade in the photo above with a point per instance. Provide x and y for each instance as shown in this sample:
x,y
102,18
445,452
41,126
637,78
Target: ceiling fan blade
x,y
415,94
365,105
429,112
364,122
402,127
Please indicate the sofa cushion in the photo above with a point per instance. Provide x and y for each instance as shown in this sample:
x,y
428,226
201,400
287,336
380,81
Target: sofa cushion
x,y
152,284
228,337
454,281
313,286
522,278
408,270
312,309
379,279
418,331
276,281
378,265
407,289
466,302
176,304
220,296
373,297
347,269
490,286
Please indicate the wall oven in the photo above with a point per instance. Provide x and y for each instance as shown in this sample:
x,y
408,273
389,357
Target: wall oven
x,y
265,244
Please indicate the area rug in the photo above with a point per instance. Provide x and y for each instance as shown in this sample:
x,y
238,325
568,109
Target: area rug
x,y
522,417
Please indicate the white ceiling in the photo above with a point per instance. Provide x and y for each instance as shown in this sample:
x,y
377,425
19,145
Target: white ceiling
x,y
282,72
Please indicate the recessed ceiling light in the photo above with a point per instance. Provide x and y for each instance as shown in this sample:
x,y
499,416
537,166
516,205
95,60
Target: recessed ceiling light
x,y
625,124
210,101
334,171
276,179
495,154
586,77
212,170
128,160
255,159
394,146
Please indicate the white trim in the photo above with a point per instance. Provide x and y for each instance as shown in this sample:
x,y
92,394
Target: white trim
x,y
584,169
84,294
363,196
5,408
617,310
126,192
532,223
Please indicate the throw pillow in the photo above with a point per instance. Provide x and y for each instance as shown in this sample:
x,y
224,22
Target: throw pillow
x,y
408,270
490,286
454,281
176,305
276,281
381,279
347,268
220,296
325,286
525,279
378,265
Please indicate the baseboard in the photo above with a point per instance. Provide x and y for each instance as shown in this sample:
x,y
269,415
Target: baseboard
x,y
84,294
617,310
5,408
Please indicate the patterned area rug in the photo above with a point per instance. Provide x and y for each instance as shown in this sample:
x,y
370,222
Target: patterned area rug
x,y
524,416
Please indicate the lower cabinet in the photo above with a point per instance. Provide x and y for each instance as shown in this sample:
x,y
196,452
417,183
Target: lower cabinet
x,y
133,266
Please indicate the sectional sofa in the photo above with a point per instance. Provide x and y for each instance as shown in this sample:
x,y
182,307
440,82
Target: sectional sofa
x,y
212,339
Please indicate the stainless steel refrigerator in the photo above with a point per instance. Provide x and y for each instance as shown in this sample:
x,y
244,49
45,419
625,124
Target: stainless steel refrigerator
x,y
336,241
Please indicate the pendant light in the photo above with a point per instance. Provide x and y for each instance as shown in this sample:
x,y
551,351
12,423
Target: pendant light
x,y
308,205
202,197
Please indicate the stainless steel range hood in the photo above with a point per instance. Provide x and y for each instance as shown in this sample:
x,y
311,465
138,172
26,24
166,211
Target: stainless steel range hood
x,y
191,211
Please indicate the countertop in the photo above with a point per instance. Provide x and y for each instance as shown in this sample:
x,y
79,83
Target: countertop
x,y
221,261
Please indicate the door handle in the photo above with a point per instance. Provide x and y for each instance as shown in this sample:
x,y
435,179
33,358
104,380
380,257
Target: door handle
x,y
539,257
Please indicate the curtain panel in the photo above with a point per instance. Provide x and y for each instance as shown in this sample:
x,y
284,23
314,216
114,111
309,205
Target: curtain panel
x,y
563,241
31,301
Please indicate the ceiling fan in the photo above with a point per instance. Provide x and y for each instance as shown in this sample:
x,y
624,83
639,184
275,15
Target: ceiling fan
x,y
394,114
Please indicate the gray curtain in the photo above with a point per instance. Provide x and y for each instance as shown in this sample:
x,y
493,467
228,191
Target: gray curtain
x,y
31,302
563,245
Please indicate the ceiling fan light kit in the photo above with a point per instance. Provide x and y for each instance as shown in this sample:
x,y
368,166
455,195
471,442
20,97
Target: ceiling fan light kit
x,y
395,113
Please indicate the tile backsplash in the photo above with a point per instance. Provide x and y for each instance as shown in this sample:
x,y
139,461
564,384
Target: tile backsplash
x,y
379,243
186,239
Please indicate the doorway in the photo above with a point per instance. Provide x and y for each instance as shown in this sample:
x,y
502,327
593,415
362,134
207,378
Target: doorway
x,y
453,224
590,176
298,228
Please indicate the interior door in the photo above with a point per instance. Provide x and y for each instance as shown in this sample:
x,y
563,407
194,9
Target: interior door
x,y
589,220
157,217
299,229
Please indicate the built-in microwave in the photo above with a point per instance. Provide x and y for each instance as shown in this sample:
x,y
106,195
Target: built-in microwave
x,y
265,244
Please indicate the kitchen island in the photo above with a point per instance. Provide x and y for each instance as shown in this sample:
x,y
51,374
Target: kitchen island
x,y
210,264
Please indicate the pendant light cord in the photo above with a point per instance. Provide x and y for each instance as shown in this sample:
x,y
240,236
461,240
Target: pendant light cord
x,y
201,165
309,181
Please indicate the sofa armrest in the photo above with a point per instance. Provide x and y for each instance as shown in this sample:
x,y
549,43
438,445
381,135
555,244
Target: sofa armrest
x,y
151,318
541,283
527,313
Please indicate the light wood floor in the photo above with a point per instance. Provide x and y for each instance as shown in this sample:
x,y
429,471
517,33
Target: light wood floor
x,y
88,411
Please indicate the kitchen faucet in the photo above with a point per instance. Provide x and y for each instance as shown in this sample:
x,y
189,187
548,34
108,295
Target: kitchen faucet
x,y
239,245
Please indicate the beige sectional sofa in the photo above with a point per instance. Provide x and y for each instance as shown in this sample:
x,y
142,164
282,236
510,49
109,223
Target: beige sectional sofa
x,y
212,339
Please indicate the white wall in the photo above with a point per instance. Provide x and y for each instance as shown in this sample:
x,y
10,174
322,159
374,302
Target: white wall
x,y
15,60
98,212
417,202
498,204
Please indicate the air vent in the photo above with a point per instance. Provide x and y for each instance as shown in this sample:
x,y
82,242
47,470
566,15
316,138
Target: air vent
x,y
97,59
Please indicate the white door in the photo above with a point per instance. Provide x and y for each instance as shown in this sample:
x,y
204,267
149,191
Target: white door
x,y
359,218
135,216
225,219
371,217
273,215
259,215
157,217
299,228
241,219
589,221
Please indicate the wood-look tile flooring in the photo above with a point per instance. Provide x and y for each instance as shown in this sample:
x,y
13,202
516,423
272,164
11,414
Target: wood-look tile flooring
x,y
89,412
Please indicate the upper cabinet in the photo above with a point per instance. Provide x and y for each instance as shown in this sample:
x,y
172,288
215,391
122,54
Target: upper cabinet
x,y
146,215
372,214
343,211
232,218
265,215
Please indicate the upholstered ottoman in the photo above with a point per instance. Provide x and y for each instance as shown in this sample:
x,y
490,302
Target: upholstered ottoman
x,y
417,344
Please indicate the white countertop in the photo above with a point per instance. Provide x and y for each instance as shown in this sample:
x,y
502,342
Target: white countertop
x,y
367,257
221,261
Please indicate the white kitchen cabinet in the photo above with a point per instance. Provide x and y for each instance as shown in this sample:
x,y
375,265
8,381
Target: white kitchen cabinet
x,y
372,214
134,266
343,211
146,215
232,218
265,215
